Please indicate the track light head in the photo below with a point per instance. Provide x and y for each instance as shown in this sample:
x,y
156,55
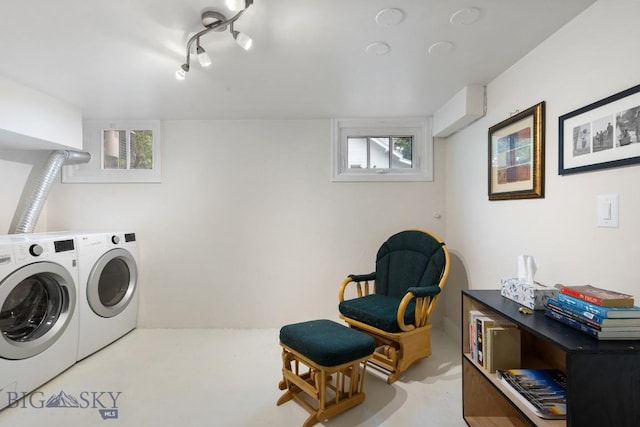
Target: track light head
x,y
243,40
238,5
182,72
203,58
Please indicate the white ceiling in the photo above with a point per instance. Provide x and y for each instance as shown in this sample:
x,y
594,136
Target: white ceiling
x,y
117,58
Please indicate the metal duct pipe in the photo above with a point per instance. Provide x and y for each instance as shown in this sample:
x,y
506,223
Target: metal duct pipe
x,y
52,167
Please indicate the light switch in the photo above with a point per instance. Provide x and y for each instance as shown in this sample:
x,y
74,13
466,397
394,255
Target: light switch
x,y
605,210
608,210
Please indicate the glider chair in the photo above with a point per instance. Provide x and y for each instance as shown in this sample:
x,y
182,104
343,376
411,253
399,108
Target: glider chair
x,y
394,303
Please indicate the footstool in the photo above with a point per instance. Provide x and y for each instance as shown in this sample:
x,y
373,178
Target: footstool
x,y
324,348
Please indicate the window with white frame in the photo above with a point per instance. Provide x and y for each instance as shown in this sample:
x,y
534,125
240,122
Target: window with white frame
x,y
127,149
124,151
382,150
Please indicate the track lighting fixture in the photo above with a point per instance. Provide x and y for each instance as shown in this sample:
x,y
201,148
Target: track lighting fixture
x,y
216,21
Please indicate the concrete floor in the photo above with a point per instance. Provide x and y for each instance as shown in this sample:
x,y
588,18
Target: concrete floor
x,y
228,378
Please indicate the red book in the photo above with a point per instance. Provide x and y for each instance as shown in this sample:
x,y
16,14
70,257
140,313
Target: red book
x,y
598,296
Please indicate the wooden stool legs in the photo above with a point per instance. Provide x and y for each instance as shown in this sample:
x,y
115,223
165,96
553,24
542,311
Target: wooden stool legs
x,y
325,391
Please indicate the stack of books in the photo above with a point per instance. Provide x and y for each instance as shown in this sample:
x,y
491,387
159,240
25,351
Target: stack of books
x,y
494,342
543,391
601,313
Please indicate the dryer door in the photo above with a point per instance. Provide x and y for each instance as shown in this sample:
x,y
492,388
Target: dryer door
x,y
112,282
37,303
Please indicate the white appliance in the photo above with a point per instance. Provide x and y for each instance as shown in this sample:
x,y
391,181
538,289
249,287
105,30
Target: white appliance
x,y
108,288
38,311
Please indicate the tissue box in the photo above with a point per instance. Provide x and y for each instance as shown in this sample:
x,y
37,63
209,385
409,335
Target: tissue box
x,y
532,295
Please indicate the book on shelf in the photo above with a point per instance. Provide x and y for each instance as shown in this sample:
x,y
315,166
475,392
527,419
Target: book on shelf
x,y
479,356
592,320
503,348
604,312
598,296
605,334
543,391
473,349
483,323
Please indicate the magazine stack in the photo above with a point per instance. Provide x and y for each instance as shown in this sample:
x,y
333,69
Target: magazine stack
x,y
543,391
600,313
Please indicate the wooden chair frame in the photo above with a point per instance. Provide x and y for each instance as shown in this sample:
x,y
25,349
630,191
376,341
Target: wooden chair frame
x,y
397,351
326,398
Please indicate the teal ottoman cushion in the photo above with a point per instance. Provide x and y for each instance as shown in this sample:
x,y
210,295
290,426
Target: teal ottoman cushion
x,y
327,343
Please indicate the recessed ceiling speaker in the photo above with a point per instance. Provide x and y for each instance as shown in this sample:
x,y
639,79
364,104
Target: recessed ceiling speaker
x,y
465,16
377,49
389,17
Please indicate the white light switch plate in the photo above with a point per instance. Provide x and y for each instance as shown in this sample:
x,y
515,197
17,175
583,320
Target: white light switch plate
x,y
608,210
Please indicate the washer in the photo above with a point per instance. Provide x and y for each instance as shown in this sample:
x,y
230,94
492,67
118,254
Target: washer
x,y
108,288
38,311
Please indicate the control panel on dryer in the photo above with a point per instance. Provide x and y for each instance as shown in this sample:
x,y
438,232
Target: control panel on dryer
x,y
31,250
126,238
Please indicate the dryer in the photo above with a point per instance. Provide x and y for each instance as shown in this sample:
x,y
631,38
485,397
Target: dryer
x,y
108,288
38,311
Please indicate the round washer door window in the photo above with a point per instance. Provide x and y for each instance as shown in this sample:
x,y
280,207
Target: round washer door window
x,y
112,282
37,303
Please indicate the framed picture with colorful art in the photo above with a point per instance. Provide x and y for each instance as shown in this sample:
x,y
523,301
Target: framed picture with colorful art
x,y
516,156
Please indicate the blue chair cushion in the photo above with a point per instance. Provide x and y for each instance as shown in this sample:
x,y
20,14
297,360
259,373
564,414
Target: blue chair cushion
x,y
379,311
327,343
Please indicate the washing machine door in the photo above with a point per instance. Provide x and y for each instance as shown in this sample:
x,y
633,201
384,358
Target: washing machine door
x,y
37,303
112,282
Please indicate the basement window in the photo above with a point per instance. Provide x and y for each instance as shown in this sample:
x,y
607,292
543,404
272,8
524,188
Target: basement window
x,y
382,150
126,151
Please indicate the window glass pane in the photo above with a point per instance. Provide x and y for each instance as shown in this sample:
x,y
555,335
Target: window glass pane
x,y
382,150
121,151
114,147
379,153
402,152
141,154
356,153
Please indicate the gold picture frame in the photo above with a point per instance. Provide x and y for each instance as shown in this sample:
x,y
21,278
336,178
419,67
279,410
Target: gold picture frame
x,y
516,156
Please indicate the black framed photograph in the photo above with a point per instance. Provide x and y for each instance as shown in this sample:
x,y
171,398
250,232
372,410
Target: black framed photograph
x,y
516,156
601,135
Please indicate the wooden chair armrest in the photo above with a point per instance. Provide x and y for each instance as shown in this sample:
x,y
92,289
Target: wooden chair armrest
x,y
353,279
402,308
422,311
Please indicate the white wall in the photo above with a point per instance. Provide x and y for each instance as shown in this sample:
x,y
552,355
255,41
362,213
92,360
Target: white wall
x,y
246,229
19,169
30,119
594,56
